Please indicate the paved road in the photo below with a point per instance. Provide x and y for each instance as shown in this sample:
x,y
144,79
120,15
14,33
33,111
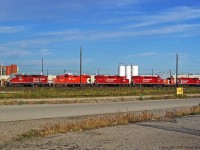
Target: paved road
x,y
29,112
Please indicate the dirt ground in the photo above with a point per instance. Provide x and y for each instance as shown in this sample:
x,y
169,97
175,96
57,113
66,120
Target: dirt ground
x,y
180,133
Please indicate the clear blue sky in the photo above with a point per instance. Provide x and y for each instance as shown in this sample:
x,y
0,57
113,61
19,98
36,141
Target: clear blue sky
x,y
148,33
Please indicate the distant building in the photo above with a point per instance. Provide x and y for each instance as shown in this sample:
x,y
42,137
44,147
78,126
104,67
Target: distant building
x,y
8,70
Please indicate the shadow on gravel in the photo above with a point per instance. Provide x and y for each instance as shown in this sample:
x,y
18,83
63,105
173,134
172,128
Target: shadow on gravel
x,y
175,129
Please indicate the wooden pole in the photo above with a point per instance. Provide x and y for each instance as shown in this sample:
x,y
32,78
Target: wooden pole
x,y
80,67
176,69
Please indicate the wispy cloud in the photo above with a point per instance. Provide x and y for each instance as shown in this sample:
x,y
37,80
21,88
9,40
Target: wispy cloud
x,y
118,3
11,29
179,14
6,52
39,10
146,54
10,10
31,42
59,33
169,30
180,28
17,51
44,39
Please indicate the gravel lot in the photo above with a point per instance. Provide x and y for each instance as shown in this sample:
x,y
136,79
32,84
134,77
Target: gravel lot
x,y
181,133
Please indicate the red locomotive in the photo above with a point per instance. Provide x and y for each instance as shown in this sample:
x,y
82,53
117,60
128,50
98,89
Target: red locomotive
x,y
188,81
29,80
72,80
66,79
147,80
110,80
184,81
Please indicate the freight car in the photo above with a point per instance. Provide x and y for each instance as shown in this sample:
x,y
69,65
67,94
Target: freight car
x,y
110,80
71,80
29,80
147,81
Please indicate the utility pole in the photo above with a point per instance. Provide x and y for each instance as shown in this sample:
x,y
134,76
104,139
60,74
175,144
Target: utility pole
x,y
170,73
1,75
98,71
177,69
64,71
152,71
42,67
80,67
47,72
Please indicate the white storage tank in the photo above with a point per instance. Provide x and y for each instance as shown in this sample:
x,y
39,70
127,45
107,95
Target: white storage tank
x,y
122,70
135,70
128,73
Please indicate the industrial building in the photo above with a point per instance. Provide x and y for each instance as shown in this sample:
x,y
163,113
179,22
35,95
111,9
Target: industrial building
x,y
8,70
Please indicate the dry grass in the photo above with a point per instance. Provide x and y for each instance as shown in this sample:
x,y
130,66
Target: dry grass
x,y
183,112
108,120
88,100
73,92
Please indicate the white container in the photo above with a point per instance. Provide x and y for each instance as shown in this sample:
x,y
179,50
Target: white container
x,y
135,70
128,73
122,70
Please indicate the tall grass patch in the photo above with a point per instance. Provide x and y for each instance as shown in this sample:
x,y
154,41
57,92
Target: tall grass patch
x,y
108,120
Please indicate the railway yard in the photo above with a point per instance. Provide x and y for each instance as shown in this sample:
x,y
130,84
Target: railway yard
x,y
99,75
